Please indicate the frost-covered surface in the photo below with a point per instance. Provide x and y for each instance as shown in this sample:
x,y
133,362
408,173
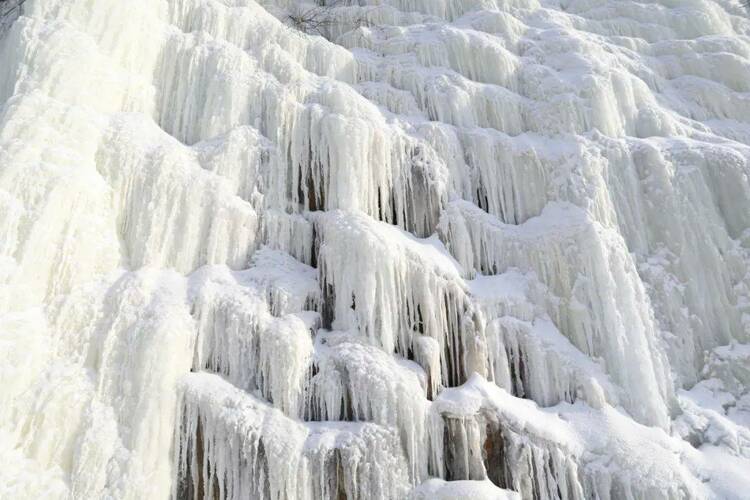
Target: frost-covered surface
x,y
436,249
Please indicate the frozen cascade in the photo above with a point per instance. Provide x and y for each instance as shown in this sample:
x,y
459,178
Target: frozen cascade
x,y
234,446
577,259
406,249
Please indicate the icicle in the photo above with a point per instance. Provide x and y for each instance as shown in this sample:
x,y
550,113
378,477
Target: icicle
x,y
576,259
478,446
232,446
355,381
535,361
239,338
212,227
400,294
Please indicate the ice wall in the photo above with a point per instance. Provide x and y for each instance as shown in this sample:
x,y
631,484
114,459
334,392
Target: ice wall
x,y
408,248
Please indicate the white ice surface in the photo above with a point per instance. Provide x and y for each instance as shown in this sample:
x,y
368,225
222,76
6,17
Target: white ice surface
x,y
439,248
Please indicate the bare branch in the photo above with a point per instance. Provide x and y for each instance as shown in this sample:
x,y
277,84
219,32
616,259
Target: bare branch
x,y
320,18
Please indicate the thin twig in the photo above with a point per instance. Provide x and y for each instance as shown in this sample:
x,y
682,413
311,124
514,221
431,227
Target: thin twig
x,y
317,19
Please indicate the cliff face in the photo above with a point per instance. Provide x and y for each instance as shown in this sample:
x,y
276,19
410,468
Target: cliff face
x,y
376,249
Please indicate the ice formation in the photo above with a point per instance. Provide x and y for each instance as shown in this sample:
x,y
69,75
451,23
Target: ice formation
x,y
374,249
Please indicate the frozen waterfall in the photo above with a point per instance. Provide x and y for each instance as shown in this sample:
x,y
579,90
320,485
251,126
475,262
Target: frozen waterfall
x,y
374,249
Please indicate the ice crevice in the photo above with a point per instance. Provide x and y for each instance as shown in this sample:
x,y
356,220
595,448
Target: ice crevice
x,y
426,249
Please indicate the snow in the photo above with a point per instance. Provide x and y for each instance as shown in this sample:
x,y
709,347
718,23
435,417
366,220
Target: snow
x,y
461,490
441,249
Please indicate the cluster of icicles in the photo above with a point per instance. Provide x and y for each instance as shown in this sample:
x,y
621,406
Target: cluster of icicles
x,y
402,248
233,445
320,370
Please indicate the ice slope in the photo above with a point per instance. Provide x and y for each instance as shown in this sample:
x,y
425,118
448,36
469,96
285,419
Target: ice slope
x,y
430,249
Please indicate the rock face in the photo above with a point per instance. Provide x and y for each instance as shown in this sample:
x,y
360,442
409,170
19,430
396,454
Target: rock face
x,y
375,249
